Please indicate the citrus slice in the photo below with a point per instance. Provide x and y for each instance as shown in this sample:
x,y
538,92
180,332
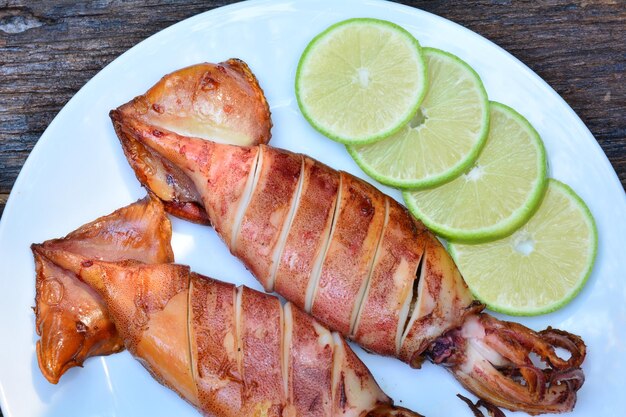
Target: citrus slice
x,y
361,80
442,139
539,268
498,194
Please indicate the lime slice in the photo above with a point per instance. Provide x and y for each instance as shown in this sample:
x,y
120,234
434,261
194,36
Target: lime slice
x,y
442,139
542,266
361,80
498,194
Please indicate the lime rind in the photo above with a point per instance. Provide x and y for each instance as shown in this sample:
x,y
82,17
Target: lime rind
x,y
453,171
516,219
580,283
403,120
591,255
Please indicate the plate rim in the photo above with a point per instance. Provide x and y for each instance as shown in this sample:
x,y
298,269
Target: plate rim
x,y
36,152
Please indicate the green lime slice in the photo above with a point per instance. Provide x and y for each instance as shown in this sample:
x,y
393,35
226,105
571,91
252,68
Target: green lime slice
x,y
443,138
498,194
361,80
542,266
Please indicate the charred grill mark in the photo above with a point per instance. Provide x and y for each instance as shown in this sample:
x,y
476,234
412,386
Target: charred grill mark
x,y
358,198
365,204
414,294
158,108
317,268
433,276
361,302
314,404
81,327
343,400
207,82
238,294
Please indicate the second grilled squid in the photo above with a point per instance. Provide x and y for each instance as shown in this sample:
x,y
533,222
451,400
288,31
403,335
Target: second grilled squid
x,y
227,350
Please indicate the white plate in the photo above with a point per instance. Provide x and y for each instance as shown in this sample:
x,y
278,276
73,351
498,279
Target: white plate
x,y
77,172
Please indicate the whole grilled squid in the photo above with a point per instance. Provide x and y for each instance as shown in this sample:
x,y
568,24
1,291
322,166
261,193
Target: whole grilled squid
x,y
227,350
343,251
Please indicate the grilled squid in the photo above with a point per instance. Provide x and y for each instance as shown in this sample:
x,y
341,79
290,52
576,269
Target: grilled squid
x,y
355,259
221,102
227,350
71,318
205,100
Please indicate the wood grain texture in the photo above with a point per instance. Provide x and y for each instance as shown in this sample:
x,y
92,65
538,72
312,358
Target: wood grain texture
x,y
49,49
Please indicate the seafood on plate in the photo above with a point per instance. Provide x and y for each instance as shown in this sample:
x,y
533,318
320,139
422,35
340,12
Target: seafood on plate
x,y
221,102
70,317
227,350
356,260
205,100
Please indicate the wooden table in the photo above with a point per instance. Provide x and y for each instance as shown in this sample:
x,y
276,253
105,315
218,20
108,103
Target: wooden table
x,y
49,49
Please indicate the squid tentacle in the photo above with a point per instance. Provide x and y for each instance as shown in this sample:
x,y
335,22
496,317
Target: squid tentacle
x,y
542,343
475,407
493,359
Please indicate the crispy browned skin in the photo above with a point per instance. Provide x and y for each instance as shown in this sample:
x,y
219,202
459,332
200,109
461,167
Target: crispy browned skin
x,y
260,229
363,266
309,231
220,102
71,321
250,208
71,318
398,257
227,350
